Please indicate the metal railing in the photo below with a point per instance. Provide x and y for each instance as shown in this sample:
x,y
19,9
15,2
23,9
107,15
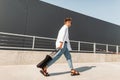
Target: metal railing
x,y
27,42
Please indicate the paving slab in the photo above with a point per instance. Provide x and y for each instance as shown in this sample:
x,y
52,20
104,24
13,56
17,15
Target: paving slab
x,y
88,71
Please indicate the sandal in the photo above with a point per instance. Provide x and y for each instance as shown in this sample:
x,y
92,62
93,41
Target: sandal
x,y
44,73
74,72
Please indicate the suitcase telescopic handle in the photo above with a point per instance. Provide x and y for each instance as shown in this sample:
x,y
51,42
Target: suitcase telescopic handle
x,y
54,52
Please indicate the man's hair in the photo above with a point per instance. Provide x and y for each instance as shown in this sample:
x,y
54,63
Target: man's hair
x,y
67,19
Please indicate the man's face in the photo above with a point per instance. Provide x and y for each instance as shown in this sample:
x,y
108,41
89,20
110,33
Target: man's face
x,y
69,23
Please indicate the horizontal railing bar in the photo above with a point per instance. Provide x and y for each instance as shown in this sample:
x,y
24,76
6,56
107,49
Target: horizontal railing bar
x,y
112,45
16,34
85,51
74,41
1,47
86,42
42,49
45,38
24,48
101,44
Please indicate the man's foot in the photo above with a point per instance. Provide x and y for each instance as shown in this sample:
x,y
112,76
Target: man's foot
x,y
44,71
74,72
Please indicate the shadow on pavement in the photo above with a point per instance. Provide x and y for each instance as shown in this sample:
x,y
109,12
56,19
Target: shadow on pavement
x,y
85,68
80,69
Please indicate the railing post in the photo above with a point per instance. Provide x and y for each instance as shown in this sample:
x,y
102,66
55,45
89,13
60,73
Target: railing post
x,y
107,48
117,49
94,48
33,43
78,45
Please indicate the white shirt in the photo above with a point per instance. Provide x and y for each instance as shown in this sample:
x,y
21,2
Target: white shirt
x,y
63,36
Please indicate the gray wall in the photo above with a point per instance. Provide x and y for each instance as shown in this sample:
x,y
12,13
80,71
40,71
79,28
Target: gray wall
x,y
34,17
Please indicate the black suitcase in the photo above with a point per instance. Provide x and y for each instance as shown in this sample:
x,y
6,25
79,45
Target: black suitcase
x,y
47,59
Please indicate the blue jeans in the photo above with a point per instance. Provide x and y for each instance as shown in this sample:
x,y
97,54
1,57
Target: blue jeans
x,y
67,55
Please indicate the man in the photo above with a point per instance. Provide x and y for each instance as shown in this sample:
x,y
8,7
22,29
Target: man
x,y
63,44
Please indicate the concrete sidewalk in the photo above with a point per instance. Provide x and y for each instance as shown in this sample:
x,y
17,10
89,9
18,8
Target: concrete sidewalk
x,y
89,71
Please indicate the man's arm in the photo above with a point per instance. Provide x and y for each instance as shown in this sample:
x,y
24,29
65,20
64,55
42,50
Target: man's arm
x,y
62,36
